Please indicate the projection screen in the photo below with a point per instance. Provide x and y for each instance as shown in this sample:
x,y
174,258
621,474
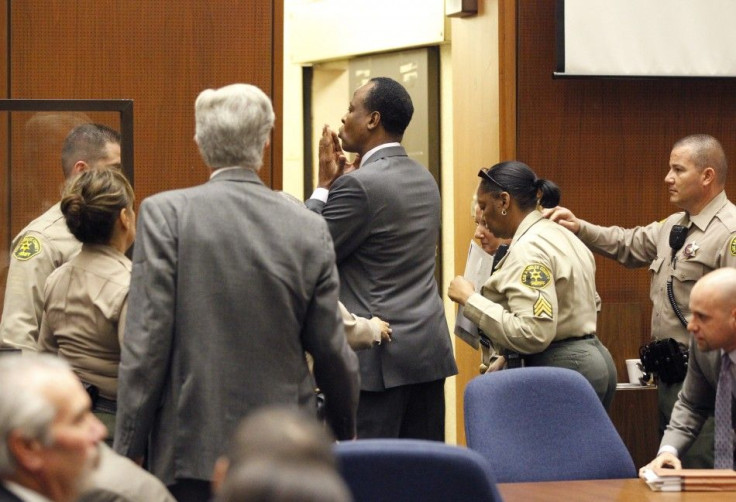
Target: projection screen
x,y
646,38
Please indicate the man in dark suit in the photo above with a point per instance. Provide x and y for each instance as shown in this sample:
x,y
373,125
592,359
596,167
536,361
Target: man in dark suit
x,y
384,219
713,338
49,438
230,285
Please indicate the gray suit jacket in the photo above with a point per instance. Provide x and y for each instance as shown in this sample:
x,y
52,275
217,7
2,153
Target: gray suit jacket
x,y
697,399
385,220
230,285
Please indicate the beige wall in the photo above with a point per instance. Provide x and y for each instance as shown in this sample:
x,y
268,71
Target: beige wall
x,y
330,100
476,110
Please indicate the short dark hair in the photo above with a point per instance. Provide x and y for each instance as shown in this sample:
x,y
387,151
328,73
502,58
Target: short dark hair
x,y
86,142
521,183
706,151
392,101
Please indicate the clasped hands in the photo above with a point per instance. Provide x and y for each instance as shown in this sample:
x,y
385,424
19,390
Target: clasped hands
x,y
333,162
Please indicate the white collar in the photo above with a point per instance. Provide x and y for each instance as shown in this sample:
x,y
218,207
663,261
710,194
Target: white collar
x,y
25,494
375,149
222,170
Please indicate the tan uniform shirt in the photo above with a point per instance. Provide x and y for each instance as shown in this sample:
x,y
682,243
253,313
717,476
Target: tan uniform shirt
x,y
36,251
84,314
543,290
710,244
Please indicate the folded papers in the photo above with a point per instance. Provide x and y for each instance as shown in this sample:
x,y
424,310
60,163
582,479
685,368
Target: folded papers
x,y
477,270
676,480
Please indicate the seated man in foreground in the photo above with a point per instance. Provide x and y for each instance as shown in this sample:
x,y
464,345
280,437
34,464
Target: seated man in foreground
x,y
709,383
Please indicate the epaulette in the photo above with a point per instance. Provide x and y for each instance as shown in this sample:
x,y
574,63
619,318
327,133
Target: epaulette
x,y
727,215
676,216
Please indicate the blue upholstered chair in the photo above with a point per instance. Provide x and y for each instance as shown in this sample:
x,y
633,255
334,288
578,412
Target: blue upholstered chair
x,y
543,424
407,470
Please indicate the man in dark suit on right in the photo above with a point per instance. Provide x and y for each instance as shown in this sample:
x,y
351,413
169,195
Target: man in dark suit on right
x,y
384,219
710,373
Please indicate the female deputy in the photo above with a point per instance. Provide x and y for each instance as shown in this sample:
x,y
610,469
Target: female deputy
x,y
86,298
540,302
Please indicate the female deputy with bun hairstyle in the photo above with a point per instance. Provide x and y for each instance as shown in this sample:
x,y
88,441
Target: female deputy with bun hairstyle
x,y
540,303
86,298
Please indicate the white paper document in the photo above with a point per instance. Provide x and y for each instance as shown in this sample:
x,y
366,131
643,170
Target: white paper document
x,y
477,270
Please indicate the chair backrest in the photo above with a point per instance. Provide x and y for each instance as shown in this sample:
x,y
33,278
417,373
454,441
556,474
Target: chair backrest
x,y
409,469
543,424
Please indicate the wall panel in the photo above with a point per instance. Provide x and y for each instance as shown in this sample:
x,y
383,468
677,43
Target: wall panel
x,y
4,242
606,142
475,89
161,54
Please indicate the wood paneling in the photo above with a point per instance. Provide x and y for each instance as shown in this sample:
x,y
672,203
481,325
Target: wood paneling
x,y
635,414
620,330
475,67
4,240
606,142
161,54
507,78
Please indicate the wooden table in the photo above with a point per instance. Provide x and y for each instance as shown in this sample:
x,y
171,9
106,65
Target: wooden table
x,y
601,490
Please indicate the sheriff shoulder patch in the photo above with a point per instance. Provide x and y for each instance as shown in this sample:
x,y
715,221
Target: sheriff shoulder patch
x,y
542,307
27,248
733,246
536,276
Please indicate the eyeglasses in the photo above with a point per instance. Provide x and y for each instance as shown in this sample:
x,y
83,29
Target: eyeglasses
x,y
485,173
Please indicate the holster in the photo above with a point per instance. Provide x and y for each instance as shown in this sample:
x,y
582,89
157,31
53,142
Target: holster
x,y
513,359
666,359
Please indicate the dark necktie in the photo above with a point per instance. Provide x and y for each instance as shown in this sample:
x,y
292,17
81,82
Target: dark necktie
x,y
724,425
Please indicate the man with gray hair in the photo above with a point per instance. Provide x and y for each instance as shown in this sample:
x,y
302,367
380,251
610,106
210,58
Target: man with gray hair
x,y
49,438
230,285
46,243
51,444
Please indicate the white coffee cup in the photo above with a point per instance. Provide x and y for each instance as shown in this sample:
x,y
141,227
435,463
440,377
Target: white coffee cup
x,y
633,366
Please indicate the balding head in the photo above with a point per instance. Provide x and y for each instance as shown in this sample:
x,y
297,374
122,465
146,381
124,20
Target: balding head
x,y
713,307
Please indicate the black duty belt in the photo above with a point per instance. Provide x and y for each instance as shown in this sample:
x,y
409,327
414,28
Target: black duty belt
x,y
105,405
575,339
515,360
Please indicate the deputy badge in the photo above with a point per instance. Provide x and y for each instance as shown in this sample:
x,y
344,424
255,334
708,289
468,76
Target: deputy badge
x,y
27,248
542,307
536,276
733,246
692,248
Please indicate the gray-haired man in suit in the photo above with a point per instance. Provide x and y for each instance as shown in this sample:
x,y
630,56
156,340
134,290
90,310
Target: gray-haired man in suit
x,y
384,219
230,285
713,337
